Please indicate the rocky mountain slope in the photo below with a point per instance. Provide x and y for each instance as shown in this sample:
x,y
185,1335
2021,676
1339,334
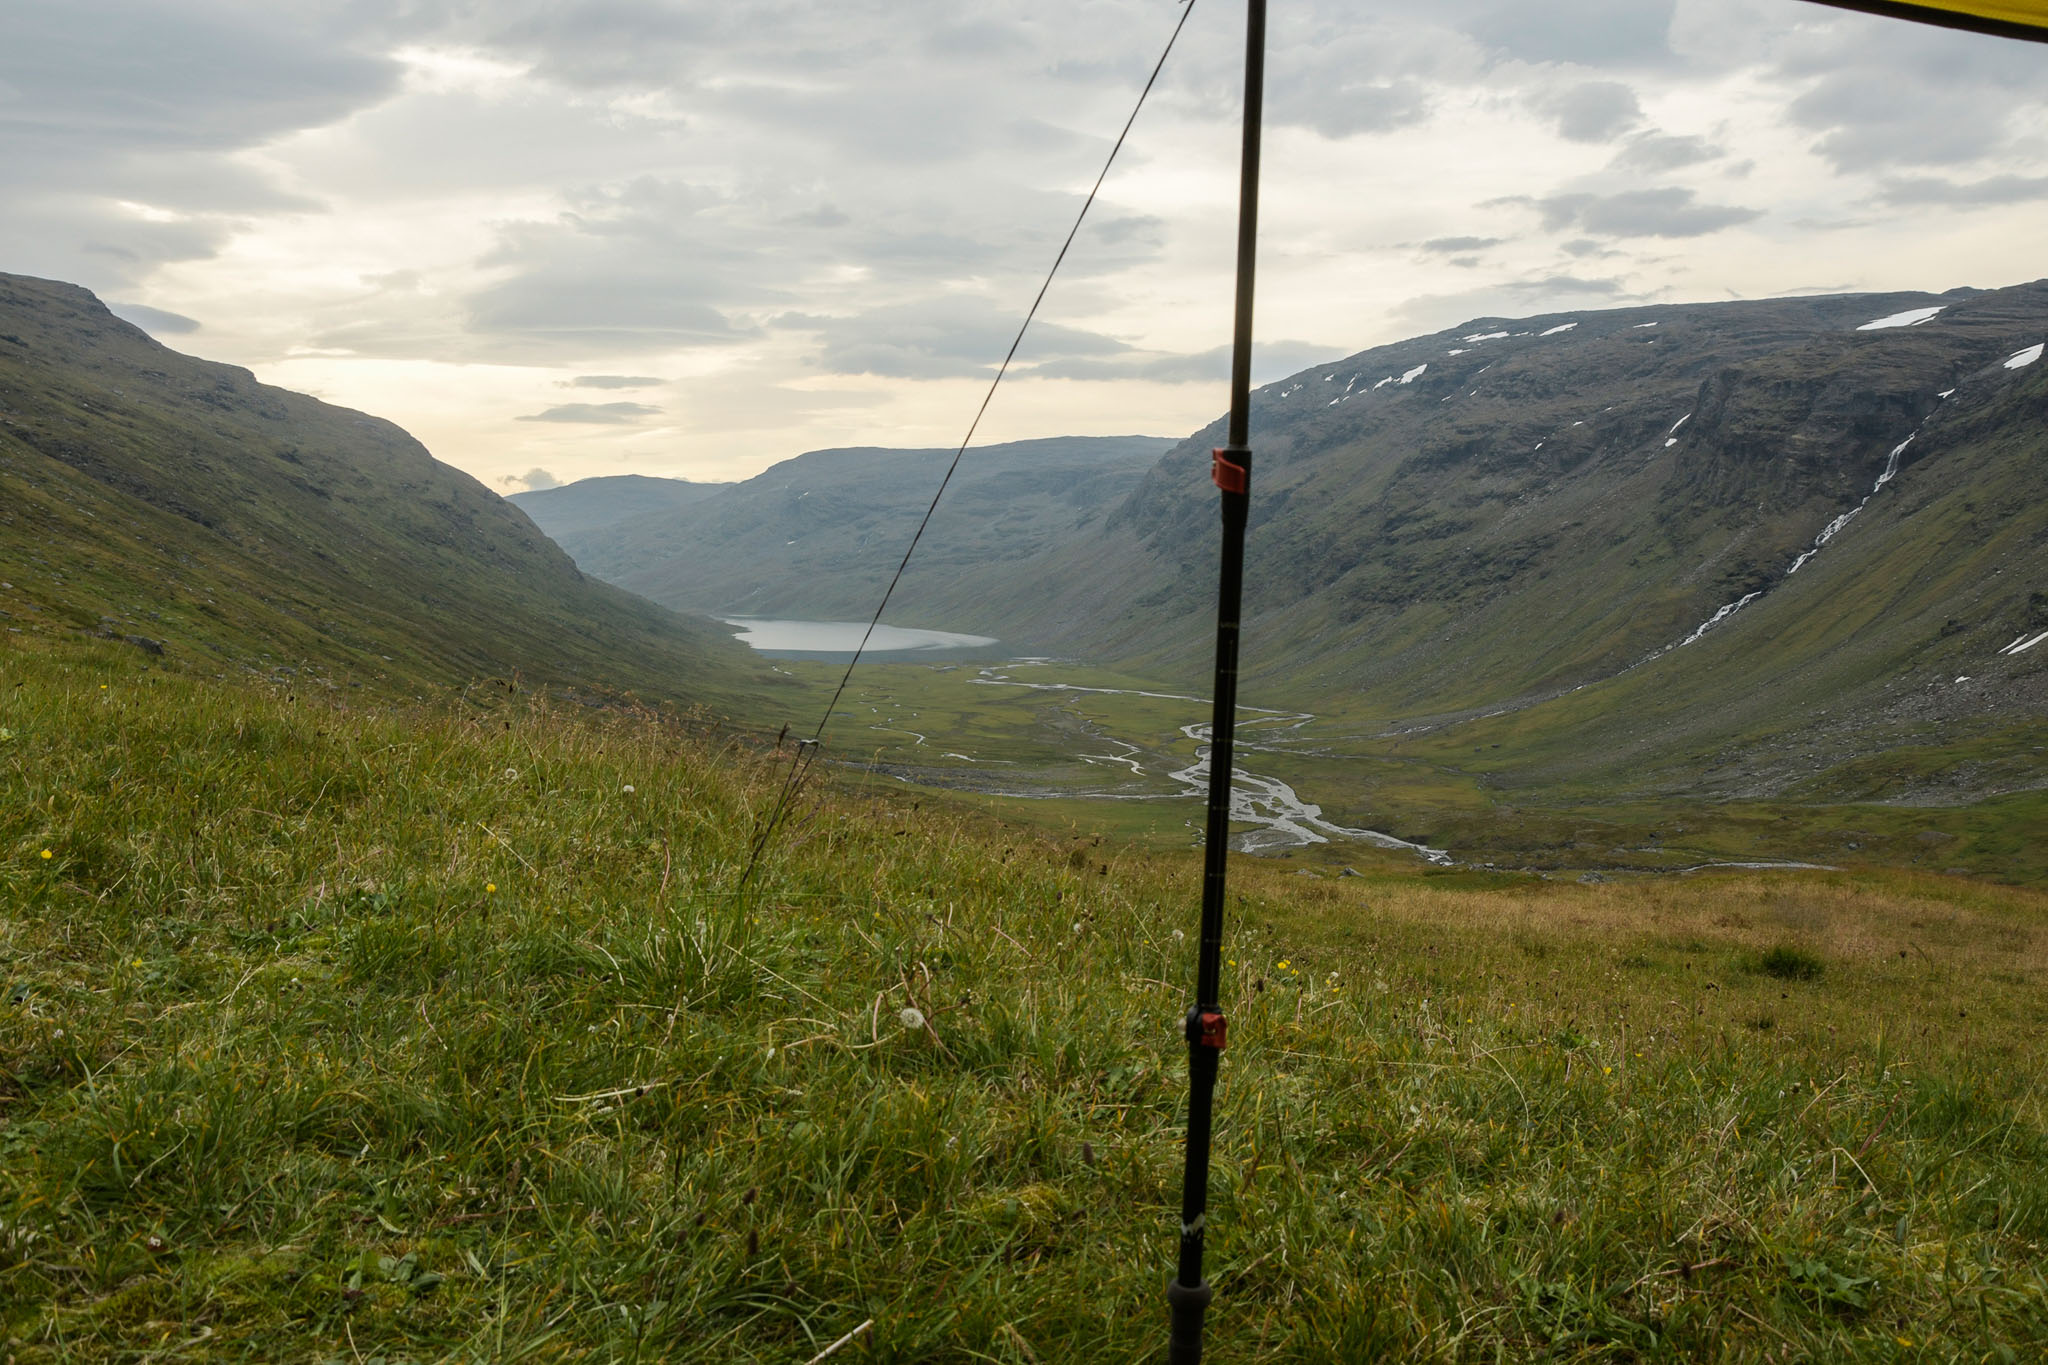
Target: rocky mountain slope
x,y
182,505
1541,517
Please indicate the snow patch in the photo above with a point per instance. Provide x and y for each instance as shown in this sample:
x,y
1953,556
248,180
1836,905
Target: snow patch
x,y
1456,350
1561,327
1639,326
1384,382
1485,336
1912,317
1944,393
1416,373
2022,646
2021,359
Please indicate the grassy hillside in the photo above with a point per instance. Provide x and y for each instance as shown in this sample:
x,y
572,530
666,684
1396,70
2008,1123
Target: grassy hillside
x,y
345,1035
181,506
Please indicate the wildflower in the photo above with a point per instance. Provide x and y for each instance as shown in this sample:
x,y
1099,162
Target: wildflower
x,y
912,1017
627,789
47,855
5,734
1607,1071
1283,964
490,887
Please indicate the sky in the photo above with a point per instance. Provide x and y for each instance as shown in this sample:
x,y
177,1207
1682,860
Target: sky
x,y
564,238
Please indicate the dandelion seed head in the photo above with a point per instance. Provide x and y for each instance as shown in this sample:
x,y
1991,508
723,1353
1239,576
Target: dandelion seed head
x,y
511,774
912,1017
627,789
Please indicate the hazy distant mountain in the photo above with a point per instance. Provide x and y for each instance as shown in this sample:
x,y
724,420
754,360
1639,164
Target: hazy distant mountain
x,y
589,505
181,504
818,536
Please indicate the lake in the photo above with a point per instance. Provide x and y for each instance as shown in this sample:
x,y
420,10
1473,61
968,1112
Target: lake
x,y
843,637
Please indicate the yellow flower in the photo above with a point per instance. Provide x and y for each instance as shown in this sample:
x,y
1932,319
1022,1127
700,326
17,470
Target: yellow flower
x,y
1607,1071
490,886
1283,964
48,854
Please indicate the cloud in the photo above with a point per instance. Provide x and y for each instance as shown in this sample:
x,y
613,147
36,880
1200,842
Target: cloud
x,y
1550,285
1592,111
533,480
1452,245
1270,361
1667,212
1657,152
1997,189
595,414
1587,32
610,381
939,338
1893,95
117,118
155,321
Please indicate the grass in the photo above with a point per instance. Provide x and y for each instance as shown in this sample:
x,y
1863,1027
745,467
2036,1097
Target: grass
x,y
340,1034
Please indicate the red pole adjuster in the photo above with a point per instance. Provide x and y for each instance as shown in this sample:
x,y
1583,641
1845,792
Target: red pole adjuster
x,y
1228,474
1214,1029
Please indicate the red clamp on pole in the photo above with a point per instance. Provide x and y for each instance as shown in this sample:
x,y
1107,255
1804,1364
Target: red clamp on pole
x,y
1209,1028
1231,470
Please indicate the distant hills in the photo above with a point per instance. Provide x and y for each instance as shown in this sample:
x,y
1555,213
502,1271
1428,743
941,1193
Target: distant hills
x,y
573,511
818,536
183,507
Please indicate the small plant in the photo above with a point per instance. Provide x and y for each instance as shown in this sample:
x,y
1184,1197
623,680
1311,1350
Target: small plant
x,y
1787,963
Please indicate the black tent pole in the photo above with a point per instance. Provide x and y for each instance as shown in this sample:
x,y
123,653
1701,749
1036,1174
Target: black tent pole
x,y
1231,469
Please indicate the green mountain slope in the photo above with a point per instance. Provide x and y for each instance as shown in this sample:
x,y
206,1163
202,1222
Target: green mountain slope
x,y
579,509
181,504
818,536
1525,516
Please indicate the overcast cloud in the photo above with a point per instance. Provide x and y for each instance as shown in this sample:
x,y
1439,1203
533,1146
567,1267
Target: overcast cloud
x,y
790,224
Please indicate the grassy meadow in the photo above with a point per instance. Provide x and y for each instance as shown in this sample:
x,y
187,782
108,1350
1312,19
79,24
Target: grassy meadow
x,y
356,1035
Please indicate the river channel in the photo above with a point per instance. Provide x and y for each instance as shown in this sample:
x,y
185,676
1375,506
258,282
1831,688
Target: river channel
x,y
1279,817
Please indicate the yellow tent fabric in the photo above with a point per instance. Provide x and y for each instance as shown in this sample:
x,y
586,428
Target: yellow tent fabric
x,y
2005,18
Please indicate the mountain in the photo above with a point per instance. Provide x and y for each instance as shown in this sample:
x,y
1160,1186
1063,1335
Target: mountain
x,y
1531,518
181,505
1510,535
818,536
577,510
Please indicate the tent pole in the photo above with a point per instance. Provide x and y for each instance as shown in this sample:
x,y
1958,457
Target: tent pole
x,y
1189,1293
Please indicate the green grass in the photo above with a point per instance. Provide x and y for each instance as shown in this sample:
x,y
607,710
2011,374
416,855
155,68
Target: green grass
x,y
339,1034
